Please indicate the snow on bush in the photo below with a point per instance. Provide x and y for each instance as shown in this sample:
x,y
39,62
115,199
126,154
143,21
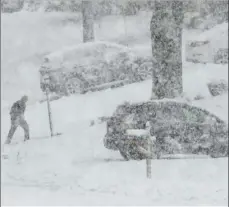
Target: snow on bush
x,y
10,6
221,56
101,7
91,64
217,88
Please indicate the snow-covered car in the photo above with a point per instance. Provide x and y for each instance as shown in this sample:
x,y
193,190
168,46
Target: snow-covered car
x,y
210,46
178,128
92,66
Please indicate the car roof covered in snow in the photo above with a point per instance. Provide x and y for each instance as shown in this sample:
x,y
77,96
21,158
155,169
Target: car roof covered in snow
x,y
167,104
85,54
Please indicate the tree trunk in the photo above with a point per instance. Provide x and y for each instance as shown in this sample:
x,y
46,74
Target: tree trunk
x,y
166,37
88,24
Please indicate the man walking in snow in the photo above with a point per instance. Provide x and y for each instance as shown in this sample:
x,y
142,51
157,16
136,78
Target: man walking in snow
x,y
17,119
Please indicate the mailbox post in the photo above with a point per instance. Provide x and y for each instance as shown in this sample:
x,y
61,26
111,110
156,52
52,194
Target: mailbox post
x,y
149,158
47,81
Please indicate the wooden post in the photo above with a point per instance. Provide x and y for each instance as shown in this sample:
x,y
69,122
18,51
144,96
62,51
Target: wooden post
x,y
148,164
49,113
148,160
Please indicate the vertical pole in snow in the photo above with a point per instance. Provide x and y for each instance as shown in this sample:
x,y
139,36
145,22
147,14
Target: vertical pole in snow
x,y
148,160
49,113
148,164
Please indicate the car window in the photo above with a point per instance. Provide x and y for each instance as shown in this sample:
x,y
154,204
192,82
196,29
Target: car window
x,y
165,112
171,112
195,114
190,116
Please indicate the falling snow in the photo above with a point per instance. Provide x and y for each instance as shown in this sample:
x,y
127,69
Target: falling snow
x,y
112,84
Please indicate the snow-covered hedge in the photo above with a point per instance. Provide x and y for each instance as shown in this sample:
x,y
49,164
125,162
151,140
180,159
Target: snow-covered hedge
x,y
217,88
221,56
101,7
218,10
9,6
89,65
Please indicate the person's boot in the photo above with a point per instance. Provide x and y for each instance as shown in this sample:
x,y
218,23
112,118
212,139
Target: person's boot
x,y
26,138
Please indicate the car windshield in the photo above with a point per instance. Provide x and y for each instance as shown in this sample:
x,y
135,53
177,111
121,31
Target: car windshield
x,y
181,112
164,112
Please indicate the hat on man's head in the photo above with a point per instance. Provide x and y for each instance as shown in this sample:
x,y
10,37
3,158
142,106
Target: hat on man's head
x,y
25,98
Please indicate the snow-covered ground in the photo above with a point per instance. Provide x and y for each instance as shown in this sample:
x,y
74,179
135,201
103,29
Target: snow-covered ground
x,y
217,38
98,182
74,168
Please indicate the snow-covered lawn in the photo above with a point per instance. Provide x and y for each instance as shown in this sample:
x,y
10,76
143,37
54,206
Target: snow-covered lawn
x,y
76,169
98,182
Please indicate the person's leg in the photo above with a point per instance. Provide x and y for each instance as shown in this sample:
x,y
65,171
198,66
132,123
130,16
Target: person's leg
x,y
25,127
14,125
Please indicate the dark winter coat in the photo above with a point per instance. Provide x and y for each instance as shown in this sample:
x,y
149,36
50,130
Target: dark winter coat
x,y
17,109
